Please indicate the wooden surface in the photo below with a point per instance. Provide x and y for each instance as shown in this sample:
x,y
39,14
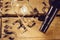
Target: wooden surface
x,y
13,8
33,33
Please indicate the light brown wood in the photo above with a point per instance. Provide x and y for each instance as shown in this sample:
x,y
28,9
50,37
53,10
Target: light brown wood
x,y
33,33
